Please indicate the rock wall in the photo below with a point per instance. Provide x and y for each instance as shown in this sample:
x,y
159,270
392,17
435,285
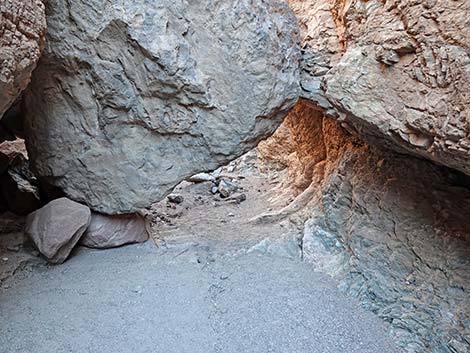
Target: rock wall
x,y
392,229
22,32
130,98
394,72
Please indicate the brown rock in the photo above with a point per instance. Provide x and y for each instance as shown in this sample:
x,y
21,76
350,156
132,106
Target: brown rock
x,y
396,72
22,32
57,227
112,231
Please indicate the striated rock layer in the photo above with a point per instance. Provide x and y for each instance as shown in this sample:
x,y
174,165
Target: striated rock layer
x,y
130,97
392,229
22,32
395,72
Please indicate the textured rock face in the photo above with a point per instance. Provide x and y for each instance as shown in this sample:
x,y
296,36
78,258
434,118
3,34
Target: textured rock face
x,y
18,186
392,229
22,32
396,72
130,98
111,231
57,227
297,145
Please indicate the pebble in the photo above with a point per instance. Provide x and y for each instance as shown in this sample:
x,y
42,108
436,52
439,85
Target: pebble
x,y
201,177
15,248
175,199
137,290
226,188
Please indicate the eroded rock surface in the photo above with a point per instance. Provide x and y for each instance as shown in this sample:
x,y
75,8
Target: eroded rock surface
x,y
396,72
22,32
130,98
18,186
107,232
392,229
57,227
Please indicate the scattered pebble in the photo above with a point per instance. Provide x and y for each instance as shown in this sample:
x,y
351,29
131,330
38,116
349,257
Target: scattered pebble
x,y
137,290
201,177
14,248
175,199
226,188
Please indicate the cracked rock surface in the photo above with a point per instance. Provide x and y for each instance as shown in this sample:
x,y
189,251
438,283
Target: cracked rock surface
x,y
392,229
394,72
130,97
22,34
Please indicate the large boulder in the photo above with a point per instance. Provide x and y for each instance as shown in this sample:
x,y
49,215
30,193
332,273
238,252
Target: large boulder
x,y
131,97
57,227
22,33
112,231
395,72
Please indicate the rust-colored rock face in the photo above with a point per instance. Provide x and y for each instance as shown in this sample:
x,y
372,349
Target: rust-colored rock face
x,y
395,72
22,32
392,229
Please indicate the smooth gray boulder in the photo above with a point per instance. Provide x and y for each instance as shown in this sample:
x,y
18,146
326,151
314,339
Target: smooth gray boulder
x,y
132,97
57,227
22,33
112,231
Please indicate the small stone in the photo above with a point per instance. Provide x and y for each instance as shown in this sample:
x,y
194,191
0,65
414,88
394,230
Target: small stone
x,y
201,177
14,248
137,290
226,188
216,173
215,190
5,259
175,199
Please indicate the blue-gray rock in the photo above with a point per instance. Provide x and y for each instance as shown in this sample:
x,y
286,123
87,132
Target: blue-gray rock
x,y
132,97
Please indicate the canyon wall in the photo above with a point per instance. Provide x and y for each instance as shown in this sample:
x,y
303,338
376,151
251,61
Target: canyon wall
x,y
394,72
22,35
392,229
